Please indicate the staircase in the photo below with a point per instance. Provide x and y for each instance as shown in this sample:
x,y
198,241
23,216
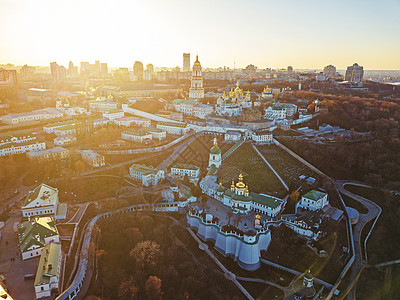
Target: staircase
x,y
232,149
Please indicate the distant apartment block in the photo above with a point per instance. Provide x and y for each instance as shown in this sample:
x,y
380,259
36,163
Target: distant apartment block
x,y
93,159
138,135
8,77
232,136
354,73
64,140
186,62
329,71
148,175
37,115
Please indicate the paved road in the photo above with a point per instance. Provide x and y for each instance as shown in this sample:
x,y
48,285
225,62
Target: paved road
x,y
373,211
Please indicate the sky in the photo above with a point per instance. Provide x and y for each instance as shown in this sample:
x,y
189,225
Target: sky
x,y
307,34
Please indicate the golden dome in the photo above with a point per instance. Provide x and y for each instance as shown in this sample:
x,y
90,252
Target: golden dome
x,y
196,63
240,185
257,217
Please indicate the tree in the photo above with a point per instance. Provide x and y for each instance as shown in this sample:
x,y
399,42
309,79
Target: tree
x,y
153,287
128,289
146,253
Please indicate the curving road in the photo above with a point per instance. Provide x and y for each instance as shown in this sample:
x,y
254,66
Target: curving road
x,y
374,211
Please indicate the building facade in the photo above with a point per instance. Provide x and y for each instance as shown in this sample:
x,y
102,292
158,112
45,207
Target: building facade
x,y
146,174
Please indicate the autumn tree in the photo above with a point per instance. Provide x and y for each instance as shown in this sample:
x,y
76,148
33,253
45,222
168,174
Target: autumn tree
x,y
128,289
146,253
153,287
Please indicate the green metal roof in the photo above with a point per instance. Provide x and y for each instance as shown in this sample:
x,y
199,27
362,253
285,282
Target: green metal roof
x,y
185,166
215,150
35,231
48,264
236,197
39,192
212,170
314,195
265,200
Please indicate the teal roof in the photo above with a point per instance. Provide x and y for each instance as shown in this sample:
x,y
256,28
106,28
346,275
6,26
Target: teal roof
x,y
48,264
215,150
185,166
265,200
35,231
236,197
314,195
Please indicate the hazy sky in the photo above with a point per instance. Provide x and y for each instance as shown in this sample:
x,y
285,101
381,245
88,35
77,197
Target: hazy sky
x,y
304,34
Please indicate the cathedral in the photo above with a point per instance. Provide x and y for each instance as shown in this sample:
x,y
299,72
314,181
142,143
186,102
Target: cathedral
x,y
233,103
196,91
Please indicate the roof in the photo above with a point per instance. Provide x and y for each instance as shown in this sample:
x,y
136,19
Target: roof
x,y
233,133
43,192
173,124
314,195
185,166
146,170
215,150
47,151
48,264
138,132
65,127
212,170
34,232
266,200
234,196
262,132
91,154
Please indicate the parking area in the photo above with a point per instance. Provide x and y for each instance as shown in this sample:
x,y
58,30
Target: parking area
x,y
13,267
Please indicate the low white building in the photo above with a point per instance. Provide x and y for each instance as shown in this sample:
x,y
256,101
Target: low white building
x,y
33,116
173,128
158,134
48,154
67,130
114,114
313,200
275,113
103,106
48,273
43,201
21,147
36,233
140,136
262,136
16,139
233,136
49,128
146,174
93,159
100,122
180,170
130,121
64,140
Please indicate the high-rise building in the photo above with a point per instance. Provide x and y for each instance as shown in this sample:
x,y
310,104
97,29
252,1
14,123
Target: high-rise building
x,y
104,69
354,73
149,72
72,70
186,62
196,91
290,70
8,77
58,72
329,71
85,68
138,71
27,72
97,67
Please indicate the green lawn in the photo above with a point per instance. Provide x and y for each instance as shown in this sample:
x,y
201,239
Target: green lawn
x,y
257,174
289,168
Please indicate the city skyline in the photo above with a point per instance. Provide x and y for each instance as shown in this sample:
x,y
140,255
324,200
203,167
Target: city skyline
x,y
276,35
